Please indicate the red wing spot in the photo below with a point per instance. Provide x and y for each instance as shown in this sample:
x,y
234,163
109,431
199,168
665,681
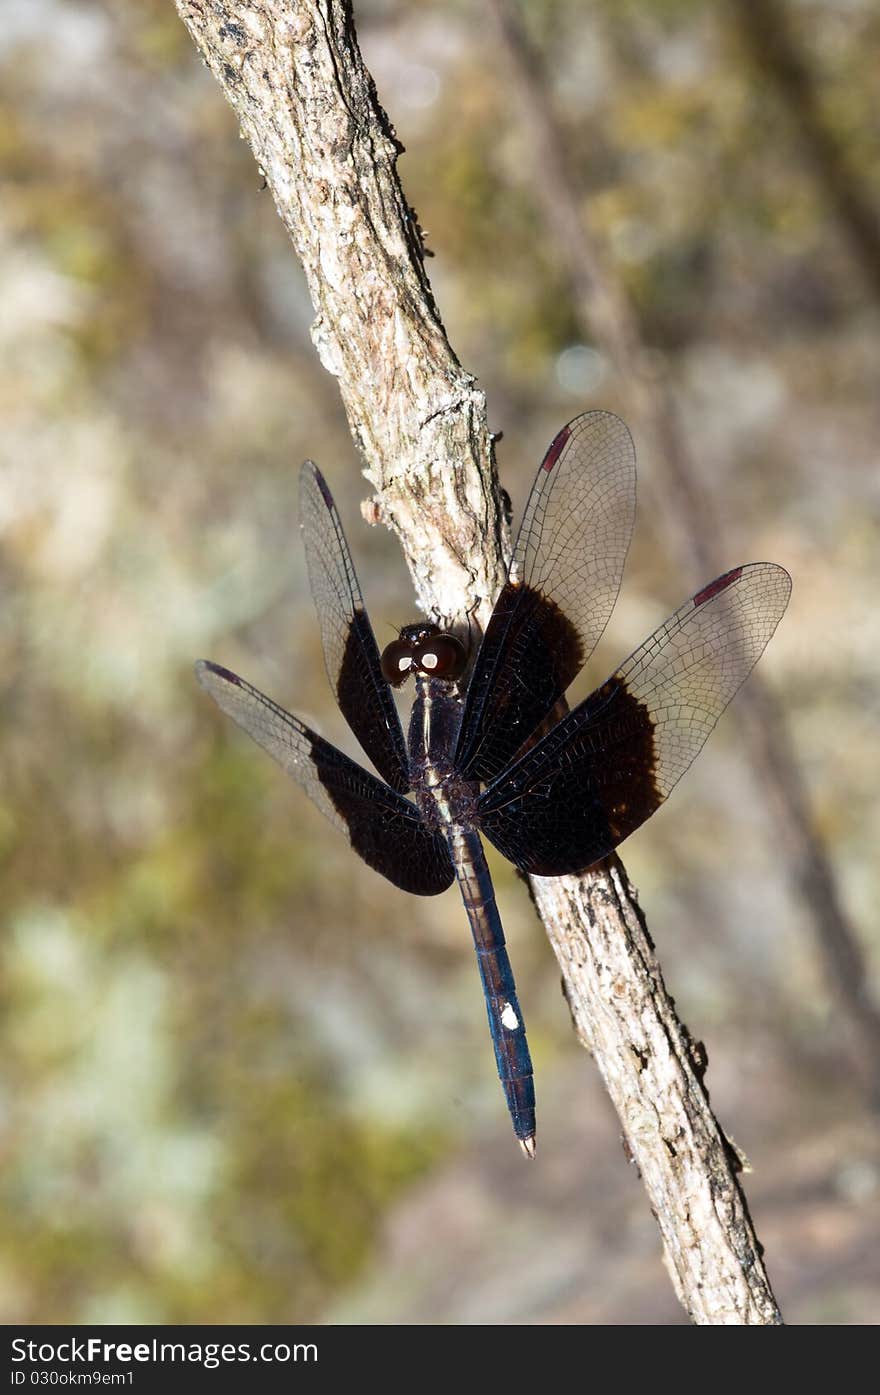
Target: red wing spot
x,y
224,673
555,449
325,492
720,583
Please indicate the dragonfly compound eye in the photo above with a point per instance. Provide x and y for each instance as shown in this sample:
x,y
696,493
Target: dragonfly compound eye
x,y
442,656
397,662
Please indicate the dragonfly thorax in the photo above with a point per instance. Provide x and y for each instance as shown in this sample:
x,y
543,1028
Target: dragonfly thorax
x,y
443,794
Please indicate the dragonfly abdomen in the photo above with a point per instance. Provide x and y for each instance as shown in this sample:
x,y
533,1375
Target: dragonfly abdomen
x,y
506,1023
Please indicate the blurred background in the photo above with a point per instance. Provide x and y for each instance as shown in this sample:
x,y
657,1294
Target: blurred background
x,y
219,1098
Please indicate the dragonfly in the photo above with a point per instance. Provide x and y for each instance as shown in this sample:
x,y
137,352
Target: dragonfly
x,y
488,754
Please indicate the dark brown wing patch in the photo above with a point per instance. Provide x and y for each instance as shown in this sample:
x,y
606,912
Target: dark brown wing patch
x,y
385,829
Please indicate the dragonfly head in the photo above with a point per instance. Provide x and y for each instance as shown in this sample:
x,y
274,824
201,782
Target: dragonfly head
x,y
423,648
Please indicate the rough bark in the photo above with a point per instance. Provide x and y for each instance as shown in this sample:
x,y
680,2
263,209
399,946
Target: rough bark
x,y
308,108
294,74
653,1071
695,531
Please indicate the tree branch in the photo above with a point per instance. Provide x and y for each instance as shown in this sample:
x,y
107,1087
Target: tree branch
x,y
653,1071
308,107
293,71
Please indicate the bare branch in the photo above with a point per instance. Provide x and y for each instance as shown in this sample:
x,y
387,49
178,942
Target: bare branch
x,y
308,107
653,1072
294,74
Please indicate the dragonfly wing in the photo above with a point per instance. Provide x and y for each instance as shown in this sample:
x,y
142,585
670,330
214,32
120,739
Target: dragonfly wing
x,y
563,583
385,829
605,768
351,654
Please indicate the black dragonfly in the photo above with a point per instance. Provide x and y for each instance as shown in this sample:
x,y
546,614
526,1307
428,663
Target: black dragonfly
x,y
477,761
